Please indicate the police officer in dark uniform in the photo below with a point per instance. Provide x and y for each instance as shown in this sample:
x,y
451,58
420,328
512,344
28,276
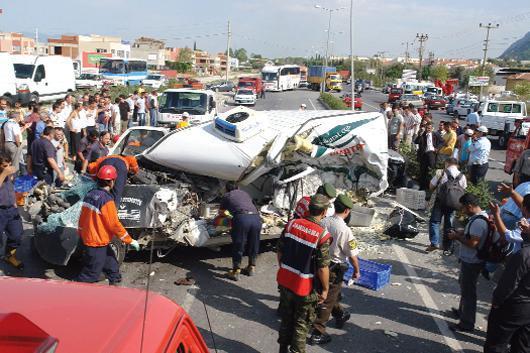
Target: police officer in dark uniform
x,y
246,229
10,221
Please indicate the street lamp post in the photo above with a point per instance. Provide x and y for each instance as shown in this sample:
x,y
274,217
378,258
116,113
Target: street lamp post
x,y
352,65
322,84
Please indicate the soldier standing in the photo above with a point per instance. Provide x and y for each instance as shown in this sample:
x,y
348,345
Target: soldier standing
x,y
343,249
303,257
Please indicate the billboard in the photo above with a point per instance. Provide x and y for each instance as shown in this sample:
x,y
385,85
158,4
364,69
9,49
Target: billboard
x,y
91,59
477,81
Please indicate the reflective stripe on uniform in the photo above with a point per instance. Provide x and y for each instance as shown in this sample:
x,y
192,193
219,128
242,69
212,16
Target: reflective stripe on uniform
x,y
91,207
295,271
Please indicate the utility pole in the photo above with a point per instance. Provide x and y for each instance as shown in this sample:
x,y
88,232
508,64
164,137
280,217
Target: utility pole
x,y
407,53
431,58
352,65
228,51
422,38
488,28
323,83
36,41
381,56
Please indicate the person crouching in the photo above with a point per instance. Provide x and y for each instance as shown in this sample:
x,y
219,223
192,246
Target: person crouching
x,y
98,224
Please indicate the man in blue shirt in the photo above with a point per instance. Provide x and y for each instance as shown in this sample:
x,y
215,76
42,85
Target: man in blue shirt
x,y
511,213
3,110
473,119
479,153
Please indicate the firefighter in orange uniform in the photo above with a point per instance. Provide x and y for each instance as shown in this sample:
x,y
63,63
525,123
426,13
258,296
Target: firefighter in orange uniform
x,y
98,224
303,253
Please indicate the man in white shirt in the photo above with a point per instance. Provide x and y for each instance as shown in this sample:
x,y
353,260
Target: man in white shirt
x,y
140,105
153,108
13,137
116,116
479,153
411,125
67,107
438,212
56,115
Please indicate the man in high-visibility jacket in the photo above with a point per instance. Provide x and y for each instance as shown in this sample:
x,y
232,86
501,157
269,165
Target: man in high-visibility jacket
x,y
98,224
303,254
125,166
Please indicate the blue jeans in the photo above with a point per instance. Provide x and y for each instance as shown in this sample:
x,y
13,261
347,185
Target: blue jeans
x,y
141,119
11,224
153,115
434,226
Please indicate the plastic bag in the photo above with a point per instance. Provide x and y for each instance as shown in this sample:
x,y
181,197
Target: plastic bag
x,y
403,224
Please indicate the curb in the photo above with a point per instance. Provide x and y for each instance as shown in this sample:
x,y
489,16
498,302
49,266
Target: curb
x,y
323,103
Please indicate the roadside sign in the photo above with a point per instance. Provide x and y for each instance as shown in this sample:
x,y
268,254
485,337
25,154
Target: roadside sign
x,y
478,81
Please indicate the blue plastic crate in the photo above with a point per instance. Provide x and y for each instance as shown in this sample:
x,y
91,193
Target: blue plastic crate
x,y
25,183
373,275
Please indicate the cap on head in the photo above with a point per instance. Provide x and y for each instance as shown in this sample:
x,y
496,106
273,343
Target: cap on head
x,y
185,115
319,201
344,200
469,132
107,172
303,105
327,190
482,129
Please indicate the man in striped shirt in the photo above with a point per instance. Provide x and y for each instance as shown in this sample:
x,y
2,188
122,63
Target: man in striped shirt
x,y
411,123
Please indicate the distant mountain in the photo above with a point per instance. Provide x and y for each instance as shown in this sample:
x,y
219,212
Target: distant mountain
x,y
519,50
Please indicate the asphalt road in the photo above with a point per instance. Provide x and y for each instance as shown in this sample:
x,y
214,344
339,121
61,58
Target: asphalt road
x,y
408,315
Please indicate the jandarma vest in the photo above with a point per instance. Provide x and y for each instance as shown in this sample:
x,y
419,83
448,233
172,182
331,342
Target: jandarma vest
x,y
297,267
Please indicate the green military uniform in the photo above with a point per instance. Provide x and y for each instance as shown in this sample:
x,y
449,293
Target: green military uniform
x,y
298,313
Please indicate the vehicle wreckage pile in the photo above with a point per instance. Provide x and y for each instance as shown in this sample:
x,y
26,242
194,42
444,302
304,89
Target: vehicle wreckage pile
x,y
277,156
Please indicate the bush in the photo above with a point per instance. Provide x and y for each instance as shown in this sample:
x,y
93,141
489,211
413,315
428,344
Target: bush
x,y
333,102
482,191
412,165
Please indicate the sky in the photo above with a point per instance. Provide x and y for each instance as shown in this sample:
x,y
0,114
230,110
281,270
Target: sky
x,y
279,28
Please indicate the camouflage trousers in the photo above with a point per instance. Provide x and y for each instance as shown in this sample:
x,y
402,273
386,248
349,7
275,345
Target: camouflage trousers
x,y
297,314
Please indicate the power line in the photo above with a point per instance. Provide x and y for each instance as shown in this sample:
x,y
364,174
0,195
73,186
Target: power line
x,y
488,28
422,38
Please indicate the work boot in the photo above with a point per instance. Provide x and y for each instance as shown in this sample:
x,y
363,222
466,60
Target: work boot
x,y
340,321
250,271
284,348
11,259
318,338
233,274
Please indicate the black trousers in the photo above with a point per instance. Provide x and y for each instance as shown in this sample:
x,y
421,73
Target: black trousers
x,y
477,172
427,163
468,279
508,324
246,232
97,260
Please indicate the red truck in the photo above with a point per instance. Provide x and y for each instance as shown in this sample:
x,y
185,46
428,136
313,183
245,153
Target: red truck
x,y
394,94
254,83
48,316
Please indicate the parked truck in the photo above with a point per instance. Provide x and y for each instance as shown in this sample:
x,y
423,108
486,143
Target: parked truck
x,y
254,83
316,74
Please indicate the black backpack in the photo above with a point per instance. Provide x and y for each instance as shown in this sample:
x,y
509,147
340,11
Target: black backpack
x,y
492,250
450,192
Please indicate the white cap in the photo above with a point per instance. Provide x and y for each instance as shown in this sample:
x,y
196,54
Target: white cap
x,y
482,129
468,132
303,105
185,115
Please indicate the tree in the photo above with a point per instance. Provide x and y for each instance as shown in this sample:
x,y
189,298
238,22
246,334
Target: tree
x,y
457,72
439,72
185,55
522,90
393,71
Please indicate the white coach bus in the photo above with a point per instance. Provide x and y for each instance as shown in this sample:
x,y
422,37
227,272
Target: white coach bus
x,y
280,78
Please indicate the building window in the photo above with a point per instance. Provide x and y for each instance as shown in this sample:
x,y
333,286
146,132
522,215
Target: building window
x,y
101,50
58,50
113,51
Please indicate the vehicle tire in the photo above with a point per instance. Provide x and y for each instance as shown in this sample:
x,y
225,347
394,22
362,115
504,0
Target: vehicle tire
x,y
119,249
502,141
34,97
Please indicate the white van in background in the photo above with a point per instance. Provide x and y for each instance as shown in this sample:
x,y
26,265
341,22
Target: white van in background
x,y
43,78
8,84
499,117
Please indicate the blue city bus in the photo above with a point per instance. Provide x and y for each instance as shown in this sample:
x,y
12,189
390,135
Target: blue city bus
x,y
126,72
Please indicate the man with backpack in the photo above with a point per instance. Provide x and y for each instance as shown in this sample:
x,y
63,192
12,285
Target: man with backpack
x,y
472,238
509,318
448,186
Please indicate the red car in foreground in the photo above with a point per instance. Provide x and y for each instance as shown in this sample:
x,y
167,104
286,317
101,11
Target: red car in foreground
x,y
435,102
357,103
65,317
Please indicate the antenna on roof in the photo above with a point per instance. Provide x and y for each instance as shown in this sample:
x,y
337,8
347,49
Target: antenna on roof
x,y
151,251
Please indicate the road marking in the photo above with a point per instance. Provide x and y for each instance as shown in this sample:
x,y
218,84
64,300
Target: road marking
x,y
371,106
190,297
310,101
447,334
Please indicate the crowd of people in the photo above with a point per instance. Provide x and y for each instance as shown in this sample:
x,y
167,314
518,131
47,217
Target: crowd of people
x,y
40,141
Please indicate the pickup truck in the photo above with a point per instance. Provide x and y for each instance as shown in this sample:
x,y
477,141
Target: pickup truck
x,y
49,316
500,116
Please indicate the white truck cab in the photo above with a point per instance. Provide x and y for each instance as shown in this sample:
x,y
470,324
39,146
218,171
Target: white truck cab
x,y
8,85
499,117
43,78
199,104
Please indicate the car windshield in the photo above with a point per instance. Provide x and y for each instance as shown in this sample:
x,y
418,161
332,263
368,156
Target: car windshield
x,y
88,77
139,140
395,90
269,76
179,102
245,92
246,84
24,70
154,77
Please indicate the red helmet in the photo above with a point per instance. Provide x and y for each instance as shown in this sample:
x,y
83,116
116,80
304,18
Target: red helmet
x,y
107,172
115,138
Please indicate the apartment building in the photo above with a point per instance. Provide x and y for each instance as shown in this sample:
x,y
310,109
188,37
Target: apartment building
x,y
16,43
